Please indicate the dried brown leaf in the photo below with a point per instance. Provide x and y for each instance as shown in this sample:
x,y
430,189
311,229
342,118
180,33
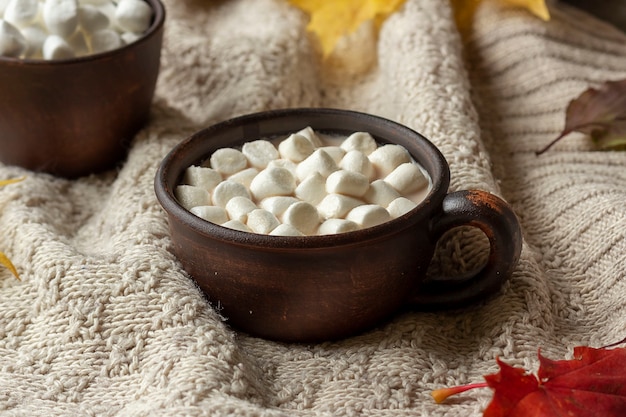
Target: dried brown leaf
x,y
599,113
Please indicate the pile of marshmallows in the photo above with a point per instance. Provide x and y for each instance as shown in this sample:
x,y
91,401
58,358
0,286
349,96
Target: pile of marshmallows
x,y
304,186
60,29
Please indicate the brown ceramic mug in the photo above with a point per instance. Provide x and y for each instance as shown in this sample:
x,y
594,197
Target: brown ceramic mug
x,y
73,117
314,288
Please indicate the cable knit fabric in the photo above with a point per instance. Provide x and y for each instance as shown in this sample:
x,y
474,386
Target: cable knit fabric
x,y
105,322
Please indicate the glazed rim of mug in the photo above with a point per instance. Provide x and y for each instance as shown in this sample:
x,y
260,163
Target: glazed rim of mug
x,y
158,21
199,146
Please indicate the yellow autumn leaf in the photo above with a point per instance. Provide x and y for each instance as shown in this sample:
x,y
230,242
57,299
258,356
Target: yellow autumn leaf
x,y
9,265
464,10
6,262
10,181
331,20
536,7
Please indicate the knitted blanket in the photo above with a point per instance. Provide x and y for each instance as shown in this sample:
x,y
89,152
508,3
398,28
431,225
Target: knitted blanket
x,y
105,322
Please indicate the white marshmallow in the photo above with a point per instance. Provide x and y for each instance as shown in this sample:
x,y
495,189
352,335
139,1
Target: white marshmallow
x,y
341,199
35,38
357,161
303,216
312,189
130,37
133,15
55,47
226,190
61,16
92,19
285,230
20,13
318,161
191,196
335,226
284,163
347,183
238,208
277,204
400,206
335,152
407,178
272,182
227,161
3,6
336,206
105,40
12,42
368,215
211,214
237,225
107,7
203,177
360,141
381,193
96,2
244,177
295,148
259,153
310,134
262,221
388,157
99,28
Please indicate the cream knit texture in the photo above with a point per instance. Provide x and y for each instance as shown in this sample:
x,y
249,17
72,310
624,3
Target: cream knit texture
x,y
105,322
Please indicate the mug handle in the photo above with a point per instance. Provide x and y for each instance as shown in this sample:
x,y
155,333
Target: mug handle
x,y
499,223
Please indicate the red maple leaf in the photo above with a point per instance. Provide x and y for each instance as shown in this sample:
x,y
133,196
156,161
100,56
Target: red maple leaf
x,y
591,384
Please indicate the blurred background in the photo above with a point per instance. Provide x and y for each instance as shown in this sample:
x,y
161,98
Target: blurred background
x,y
613,11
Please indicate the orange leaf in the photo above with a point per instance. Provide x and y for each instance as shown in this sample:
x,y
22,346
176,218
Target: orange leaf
x,y
440,395
331,20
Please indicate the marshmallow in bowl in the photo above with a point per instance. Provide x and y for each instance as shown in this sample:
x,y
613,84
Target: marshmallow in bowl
x,y
272,182
319,161
212,214
227,190
400,206
12,42
303,216
335,226
368,215
262,221
296,148
60,17
60,29
133,15
388,157
336,206
55,47
238,208
259,153
406,178
21,13
307,183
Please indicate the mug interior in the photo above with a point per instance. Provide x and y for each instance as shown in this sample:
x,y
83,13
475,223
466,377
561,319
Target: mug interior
x,y
235,132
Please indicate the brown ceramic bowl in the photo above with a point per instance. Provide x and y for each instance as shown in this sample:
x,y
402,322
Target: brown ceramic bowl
x,y
76,116
314,288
